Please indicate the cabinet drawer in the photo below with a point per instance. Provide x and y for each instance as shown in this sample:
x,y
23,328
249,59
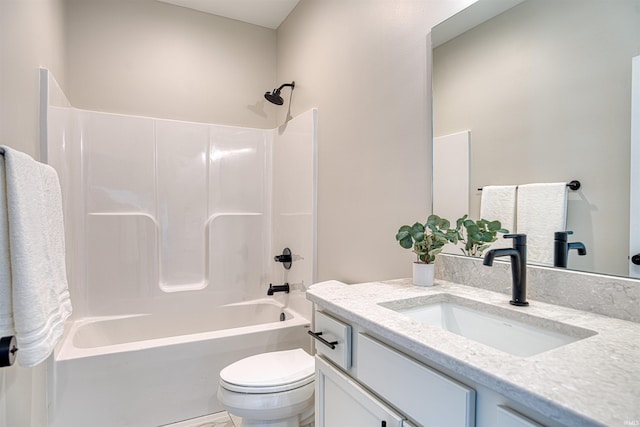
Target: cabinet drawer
x,y
422,393
330,333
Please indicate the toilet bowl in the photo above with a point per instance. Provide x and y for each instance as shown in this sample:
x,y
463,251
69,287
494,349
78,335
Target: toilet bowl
x,y
270,389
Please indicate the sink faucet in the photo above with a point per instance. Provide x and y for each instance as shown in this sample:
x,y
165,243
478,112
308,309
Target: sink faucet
x,y
518,256
561,248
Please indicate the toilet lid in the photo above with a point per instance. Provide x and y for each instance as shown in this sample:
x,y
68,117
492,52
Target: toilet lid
x,y
277,370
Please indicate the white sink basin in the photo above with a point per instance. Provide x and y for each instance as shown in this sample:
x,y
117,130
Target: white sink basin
x,y
490,325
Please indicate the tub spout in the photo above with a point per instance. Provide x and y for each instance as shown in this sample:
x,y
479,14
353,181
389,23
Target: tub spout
x,y
278,288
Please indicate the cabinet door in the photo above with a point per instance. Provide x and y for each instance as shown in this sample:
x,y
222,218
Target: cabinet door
x,y
342,402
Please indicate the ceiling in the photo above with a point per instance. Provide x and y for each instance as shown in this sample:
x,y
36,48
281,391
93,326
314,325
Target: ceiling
x,y
266,13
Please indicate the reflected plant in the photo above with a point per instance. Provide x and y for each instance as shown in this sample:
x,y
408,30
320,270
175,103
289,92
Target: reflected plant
x,y
427,240
477,235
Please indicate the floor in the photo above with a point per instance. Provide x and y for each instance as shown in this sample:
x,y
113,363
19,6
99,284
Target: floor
x,y
219,419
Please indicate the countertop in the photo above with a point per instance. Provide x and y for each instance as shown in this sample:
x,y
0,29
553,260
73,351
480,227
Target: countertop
x,y
594,381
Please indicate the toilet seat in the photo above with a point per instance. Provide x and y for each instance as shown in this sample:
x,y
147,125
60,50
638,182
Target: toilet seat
x,y
269,372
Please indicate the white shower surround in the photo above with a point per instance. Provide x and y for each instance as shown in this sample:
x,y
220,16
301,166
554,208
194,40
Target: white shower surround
x,y
156,206
162,214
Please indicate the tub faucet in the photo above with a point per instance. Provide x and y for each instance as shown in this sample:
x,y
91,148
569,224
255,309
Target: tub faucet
x,y
561,248
278,288
518,255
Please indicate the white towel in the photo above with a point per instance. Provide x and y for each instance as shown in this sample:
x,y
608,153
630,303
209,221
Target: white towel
x,y
32,223
498,203
542,210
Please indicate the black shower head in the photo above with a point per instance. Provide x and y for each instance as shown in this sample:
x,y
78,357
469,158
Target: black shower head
x,y
274,97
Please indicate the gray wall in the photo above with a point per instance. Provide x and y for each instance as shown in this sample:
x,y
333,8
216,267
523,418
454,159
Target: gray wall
x,y
545,89
364,64
143,57
31,35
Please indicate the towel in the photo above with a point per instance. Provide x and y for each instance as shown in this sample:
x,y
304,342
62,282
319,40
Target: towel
x,y
34,293
542,210
498,203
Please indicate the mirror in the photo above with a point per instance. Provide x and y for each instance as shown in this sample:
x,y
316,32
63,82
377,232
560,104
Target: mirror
x,y
545,90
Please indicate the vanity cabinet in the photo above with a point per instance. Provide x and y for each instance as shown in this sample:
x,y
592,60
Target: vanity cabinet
x,y
363,381
379,386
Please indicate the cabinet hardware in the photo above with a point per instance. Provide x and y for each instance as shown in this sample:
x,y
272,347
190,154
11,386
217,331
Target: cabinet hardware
x,y
317,336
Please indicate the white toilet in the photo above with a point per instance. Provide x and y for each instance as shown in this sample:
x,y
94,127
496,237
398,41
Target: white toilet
x,y
270,389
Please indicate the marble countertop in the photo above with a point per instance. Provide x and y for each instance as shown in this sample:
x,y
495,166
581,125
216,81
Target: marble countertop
x,y
593,381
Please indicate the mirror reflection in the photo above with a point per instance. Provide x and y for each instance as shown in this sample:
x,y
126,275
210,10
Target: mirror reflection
x,y
544,90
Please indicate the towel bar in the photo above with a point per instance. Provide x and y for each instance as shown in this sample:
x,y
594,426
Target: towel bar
x,y
573,185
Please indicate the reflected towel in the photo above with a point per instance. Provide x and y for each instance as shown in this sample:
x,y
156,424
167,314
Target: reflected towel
x,y
498,203
33,289
542,210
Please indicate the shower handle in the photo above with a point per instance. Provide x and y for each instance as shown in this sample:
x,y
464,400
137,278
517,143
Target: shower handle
x,y
285,258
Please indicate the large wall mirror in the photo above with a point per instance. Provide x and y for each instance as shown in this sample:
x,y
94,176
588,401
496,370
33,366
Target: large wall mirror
x,y
544,88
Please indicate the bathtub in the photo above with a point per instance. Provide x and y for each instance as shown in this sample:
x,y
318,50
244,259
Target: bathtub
x,y
152,370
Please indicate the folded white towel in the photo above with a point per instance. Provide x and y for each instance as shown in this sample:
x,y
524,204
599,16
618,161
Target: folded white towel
x,y
6,307
542,210
498,203
37,282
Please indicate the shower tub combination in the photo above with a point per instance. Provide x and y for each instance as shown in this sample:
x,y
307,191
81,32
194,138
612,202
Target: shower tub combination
x,y
152,370
171,228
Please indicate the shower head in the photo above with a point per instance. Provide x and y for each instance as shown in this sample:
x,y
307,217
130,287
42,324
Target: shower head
x,y
274,96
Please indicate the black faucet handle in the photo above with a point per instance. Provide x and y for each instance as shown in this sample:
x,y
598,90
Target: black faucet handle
x,y
518,239
562,235
286,259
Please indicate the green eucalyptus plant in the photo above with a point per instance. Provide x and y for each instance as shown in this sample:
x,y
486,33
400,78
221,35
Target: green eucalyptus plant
x,y
477,235
427,240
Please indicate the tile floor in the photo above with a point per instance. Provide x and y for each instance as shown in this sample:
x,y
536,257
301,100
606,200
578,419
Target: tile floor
x,y
219,419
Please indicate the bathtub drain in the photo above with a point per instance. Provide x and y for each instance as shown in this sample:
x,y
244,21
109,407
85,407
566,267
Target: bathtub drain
x,y
282,317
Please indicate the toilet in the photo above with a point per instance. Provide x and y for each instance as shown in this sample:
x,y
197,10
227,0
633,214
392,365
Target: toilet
x,y
270,389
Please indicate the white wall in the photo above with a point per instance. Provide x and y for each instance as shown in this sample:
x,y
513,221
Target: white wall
x,y
31,35
364,65
154,59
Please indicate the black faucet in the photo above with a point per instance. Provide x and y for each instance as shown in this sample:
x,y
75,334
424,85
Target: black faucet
x,y
561,248
278,288
518,256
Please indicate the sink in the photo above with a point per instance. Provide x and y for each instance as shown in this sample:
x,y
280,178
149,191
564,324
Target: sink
x,y
507,330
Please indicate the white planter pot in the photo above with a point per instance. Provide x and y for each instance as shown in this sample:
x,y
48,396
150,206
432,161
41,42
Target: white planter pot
x,y
423,274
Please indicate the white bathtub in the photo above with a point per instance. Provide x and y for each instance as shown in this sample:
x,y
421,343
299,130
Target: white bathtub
x,y
151,370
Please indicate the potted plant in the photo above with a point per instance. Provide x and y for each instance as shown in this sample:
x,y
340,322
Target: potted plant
x,y
477,235
426,241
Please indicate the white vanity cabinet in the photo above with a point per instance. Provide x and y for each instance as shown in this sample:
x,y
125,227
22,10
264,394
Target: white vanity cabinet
x,y
380,386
